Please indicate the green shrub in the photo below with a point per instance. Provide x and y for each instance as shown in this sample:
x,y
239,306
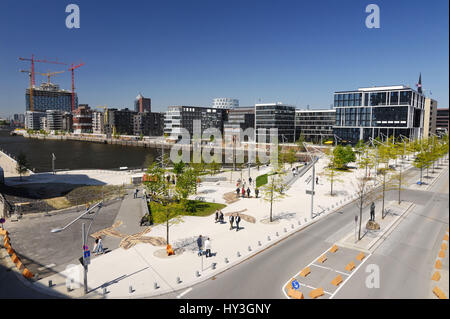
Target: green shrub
x,y
261,180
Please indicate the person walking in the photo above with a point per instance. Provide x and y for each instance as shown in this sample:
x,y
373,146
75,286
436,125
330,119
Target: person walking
x,y
136,192
231,221
238,220
317,180
207,248
221,217
200,245
216,216
95,247
248,192
243,191
256,192
237,191
250,180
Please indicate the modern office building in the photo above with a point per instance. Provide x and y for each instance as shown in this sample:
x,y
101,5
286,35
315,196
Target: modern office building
x,y
33,120
82,119
240,118
43,123
178,117
148,124
50,97
98,122
120,122
225,103
54,120
429,120
315,125
19,118
442,126
142,104
378,111
275,115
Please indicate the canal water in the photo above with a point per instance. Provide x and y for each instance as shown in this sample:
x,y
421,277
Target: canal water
x,y
76,155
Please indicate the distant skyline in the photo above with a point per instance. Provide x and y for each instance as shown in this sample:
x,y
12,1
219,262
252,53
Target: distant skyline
x,y
189,52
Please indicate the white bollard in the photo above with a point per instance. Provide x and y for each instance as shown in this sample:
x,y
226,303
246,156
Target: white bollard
x,y
238,254
178,280
292,226
277,234
197,273
285,230
259,243
249,248
130,289
268,238
226,260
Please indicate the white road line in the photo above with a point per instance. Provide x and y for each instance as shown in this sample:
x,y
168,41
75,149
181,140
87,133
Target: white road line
x,y
353,272
184,292
328,268
282,287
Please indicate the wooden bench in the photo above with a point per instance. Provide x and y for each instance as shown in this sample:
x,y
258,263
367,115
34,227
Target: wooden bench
x,y
305,272
360,256
350,266
334,249
316,293
336,281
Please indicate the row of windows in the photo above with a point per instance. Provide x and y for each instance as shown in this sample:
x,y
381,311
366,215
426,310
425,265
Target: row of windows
x,y
380,98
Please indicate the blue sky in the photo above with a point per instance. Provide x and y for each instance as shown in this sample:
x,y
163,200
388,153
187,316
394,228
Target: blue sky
x,y
188,52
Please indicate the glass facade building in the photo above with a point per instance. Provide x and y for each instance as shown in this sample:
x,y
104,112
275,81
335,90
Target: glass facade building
x,y
50,97
378,111
275,115
315,125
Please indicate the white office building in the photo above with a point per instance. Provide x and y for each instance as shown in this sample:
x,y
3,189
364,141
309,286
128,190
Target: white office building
x,y
225,103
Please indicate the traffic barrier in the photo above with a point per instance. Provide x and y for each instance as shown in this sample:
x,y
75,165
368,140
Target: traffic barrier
x,y
444,246
27,273
439,293
441,254
322,259
295,294
360,256
14,258
8,245
10,250
316,293
350,266
334,249
436,276
19,265
305,272
446,237
336,281
438,264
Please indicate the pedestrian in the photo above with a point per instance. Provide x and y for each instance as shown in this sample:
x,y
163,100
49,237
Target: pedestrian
x,y
238,219
95,247
144,193
216,216
136,192
372,211
250,180
248,192
237,191
168,178
256,192
200,245
317,180
231,221
221,217
207,248
243,191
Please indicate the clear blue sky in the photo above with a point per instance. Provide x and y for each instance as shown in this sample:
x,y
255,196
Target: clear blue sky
x,y
190,51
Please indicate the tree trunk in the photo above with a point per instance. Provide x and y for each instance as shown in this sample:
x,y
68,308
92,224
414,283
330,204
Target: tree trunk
x,y
360,216
271,201
399,186
384,185
167,230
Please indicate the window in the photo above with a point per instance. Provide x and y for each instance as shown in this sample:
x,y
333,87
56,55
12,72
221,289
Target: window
x,y
405,97
394,98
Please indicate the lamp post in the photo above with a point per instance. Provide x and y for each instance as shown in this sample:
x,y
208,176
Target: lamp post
x,y
84,235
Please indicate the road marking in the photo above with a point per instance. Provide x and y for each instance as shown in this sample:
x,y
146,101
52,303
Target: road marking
x,y
46,267
311,287
356,269
328,268
184,292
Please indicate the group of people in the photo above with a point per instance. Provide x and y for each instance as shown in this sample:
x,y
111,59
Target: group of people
x,y
244,191
219,216
206,245
236,219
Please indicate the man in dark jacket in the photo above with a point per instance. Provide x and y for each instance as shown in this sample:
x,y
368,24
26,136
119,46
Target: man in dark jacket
x,y
231,221
237,192
256,192
238,220
200,245
248,192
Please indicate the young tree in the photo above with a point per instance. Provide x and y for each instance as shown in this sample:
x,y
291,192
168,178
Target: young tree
x,y
364,198
365,159
421,162
186,185
22,163
343,156
300,141
291,157
178,168
332,175
273,190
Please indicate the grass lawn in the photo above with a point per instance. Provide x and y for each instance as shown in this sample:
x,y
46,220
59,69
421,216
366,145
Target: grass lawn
x,y
202,209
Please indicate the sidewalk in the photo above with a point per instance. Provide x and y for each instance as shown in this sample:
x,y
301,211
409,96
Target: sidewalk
x,y
143,265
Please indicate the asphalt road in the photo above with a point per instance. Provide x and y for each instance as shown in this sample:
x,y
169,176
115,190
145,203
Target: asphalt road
x,y
408,254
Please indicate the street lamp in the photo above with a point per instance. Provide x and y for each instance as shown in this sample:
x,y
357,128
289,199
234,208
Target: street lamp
x,y
84,235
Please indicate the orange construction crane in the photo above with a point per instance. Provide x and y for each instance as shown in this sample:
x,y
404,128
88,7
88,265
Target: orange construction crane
x,y
49,74
72,68
32,60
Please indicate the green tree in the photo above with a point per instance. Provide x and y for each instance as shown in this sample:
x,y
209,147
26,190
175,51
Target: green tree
x,y
300,141
186,185
178,168
22,163
332,175
291,157
273,191
343,156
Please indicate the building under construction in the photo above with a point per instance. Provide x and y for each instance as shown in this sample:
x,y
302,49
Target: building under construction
x,y
50,97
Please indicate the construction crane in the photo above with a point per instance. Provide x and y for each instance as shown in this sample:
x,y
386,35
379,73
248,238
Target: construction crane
x,y
33,60
72,68
49,74
31,88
